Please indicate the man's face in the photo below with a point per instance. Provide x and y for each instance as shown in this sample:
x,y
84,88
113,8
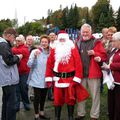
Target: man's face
x,y
29,41
86,33
11,37
52,36
62,40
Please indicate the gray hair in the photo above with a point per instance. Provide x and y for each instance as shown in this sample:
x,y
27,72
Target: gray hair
x,y
116,36
86,25
21,38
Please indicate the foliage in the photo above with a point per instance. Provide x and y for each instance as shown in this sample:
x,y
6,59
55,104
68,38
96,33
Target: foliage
x,y
118,20
101,7
33,28
5,24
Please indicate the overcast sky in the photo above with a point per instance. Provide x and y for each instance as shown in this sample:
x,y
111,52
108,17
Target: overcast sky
x,y
27,10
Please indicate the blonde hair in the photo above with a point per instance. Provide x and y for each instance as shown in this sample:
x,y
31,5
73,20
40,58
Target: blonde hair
x,y
112,29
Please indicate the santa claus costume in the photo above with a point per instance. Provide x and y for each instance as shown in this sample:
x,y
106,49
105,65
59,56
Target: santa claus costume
x,y
64,69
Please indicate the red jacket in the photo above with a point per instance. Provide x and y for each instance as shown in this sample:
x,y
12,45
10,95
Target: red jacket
x,y
115,66
22,66
95,67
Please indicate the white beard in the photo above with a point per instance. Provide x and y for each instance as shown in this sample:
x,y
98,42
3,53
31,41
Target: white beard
x,y
86,38
63,51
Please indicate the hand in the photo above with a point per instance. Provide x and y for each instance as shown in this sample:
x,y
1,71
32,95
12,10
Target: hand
x,y
105,66
20,56
74,83
112,86
37,52
49,84
91,52
97,59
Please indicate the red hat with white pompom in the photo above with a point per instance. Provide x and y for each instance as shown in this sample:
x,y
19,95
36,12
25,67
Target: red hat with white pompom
x,y
63,35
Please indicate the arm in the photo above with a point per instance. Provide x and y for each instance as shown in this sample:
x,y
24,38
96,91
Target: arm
x,y
78,66
49,67
100,51
32,61
7,56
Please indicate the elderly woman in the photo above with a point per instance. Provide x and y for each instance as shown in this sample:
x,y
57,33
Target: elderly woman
x,y
22,87
114,66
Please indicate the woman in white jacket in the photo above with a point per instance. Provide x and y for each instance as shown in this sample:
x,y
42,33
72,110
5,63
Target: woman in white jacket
x,y
37,63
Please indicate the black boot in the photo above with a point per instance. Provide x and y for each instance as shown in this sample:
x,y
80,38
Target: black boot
x,y
70,112
57,112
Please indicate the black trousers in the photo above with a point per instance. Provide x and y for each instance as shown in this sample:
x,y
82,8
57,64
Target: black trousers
x,y
9,102
39,99
114,103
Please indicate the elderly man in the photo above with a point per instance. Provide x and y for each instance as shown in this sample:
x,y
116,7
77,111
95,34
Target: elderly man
x,y
8,74
65,69
92,54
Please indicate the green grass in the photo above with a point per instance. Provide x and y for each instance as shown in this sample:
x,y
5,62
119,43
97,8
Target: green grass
x,y
49,110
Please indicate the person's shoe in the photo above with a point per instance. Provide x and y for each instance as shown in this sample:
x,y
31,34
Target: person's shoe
x,y
31,98
50,98
27,108
93,119
43,117
79,117
17,110
37,118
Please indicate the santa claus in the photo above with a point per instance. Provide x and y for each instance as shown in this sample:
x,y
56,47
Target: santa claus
x,y
64,69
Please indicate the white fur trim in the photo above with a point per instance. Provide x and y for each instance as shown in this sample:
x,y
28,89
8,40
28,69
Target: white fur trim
x,y
55,78
76,79
61,85
63,35
48,79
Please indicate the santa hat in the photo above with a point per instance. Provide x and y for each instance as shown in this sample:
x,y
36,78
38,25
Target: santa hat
x,y
63,35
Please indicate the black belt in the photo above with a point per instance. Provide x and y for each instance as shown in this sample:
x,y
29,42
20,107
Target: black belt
x,y
64,74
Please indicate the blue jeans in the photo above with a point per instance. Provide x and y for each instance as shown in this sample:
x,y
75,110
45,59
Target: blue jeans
x,y
9,103
22,92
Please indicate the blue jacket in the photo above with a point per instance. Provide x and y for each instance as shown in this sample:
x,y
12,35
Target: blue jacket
x,y
37,69
8,65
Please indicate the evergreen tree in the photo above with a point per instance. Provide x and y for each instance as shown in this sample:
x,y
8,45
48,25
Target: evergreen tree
x,y
118,20
101,6
110,21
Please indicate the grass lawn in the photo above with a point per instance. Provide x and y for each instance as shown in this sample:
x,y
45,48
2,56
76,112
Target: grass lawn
x,y
49,110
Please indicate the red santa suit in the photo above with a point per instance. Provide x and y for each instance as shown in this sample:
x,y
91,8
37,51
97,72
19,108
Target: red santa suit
x,y
65,69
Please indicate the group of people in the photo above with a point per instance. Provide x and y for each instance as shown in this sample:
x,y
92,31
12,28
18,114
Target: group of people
x,y
63,69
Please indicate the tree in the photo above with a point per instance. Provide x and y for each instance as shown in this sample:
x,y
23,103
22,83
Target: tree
x,y
101,6
101,23
110,21
5,23
34,28
118,20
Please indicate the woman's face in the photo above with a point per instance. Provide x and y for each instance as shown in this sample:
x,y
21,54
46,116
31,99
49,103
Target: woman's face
x,y
44,43
109,35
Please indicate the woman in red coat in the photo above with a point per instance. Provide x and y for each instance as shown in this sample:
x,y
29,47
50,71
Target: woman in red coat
x,y
22,87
